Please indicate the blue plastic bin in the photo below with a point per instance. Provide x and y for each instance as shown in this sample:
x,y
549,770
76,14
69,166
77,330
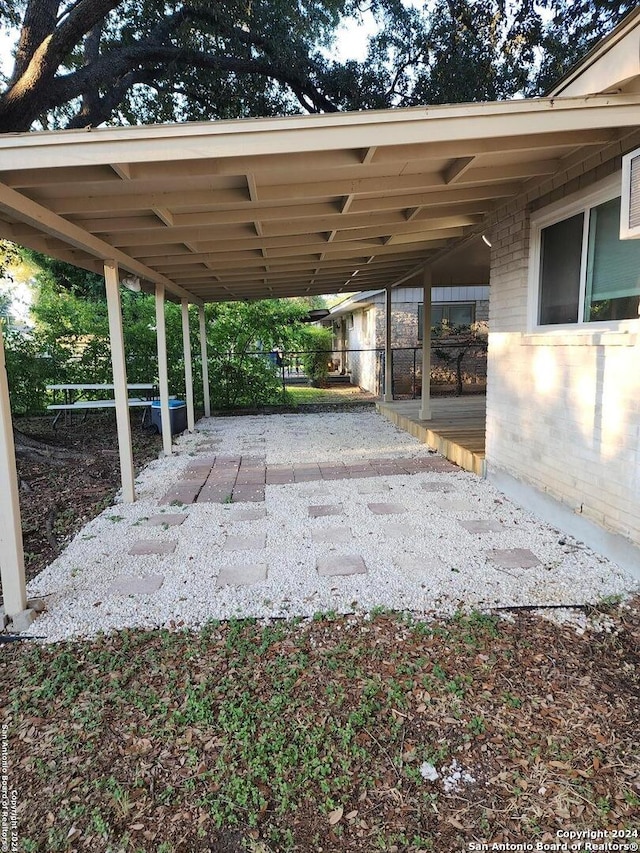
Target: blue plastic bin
x,y
177,416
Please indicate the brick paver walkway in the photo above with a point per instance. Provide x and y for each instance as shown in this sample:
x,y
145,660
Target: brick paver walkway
x,y
238,479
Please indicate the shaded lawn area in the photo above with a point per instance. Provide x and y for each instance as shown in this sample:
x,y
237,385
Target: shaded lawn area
x,y
305,394
316,735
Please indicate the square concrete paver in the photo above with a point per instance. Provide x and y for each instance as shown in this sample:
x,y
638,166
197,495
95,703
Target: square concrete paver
x,y
137,585
169,519
248,494
325,509
332,534
482,526
215,495
394,530
514,558
387,509
341,564
144,547
245,543
184,492
244,574
249,514
416,567
437,487
373,488
455,505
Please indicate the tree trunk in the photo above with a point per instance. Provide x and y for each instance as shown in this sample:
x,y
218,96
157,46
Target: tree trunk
x,y
39,451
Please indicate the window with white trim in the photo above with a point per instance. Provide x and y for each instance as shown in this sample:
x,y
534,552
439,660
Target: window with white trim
x,y
586,274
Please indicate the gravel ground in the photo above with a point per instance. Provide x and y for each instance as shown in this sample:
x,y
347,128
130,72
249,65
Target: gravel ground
x,y
419,559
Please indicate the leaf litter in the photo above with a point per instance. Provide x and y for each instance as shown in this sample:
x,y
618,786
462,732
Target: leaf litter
x,y
341,733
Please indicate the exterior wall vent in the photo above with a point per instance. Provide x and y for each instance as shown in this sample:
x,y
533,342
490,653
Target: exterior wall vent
x,y
630,202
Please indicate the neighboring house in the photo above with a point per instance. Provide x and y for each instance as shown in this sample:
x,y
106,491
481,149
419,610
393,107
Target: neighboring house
x,y
359,328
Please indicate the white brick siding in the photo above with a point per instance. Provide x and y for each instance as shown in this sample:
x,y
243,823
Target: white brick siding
x,y
562,407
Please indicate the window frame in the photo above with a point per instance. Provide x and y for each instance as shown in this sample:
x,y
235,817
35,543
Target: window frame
x,y
572,205
467,302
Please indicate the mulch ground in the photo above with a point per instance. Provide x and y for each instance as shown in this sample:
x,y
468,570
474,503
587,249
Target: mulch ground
x,y
324,736
57,497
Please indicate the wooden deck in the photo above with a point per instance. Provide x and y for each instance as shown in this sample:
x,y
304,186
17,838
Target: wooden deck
x,y
456,429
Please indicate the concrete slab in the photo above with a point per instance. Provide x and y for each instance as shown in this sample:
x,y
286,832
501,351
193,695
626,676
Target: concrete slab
x,y
386,508
168,519
332,535
184,492
397,531
373,488
249,514
245,543
146,547
244,574
325,509
248,494
215,495
455,505
341,564
482,526
437,487
22,621
418,568
514,558
137,584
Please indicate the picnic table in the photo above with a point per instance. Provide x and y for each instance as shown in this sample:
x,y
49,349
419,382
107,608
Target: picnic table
x,y
75,398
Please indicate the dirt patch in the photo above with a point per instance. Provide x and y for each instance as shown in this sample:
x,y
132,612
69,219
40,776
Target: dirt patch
x,y
57,499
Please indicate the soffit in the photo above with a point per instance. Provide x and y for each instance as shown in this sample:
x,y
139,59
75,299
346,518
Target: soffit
x,y
295,206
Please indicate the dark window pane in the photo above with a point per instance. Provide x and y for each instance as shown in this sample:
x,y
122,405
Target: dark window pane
x,y
461,315
560,271
613,267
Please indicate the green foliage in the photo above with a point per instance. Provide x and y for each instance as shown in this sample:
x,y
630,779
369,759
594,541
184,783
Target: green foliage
x,y
70,342
317,341
125,62
242,339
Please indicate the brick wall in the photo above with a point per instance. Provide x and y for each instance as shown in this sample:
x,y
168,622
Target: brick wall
x,y
563,408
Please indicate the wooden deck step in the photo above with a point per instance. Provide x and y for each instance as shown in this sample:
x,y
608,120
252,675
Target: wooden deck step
x,y
456,428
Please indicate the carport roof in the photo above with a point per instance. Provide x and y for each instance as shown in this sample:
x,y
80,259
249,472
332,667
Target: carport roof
x,y
299,205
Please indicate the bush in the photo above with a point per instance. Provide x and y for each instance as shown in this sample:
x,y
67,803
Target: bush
x,y
317,340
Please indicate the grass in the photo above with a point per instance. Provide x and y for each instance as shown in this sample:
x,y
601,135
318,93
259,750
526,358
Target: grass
x,y
309,735
305,394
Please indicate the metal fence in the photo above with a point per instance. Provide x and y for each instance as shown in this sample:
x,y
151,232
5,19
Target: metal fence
x,y
365,367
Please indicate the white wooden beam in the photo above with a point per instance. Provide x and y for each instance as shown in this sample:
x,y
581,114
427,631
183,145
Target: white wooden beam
x,y
164,215
118,364
188,365
122,170
205,361
388,352
425,402
163,373
331,132
26,210
11,548
457,169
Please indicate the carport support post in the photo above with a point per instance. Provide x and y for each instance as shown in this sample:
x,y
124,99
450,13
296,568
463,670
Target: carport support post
x,y
425,403
388,355
120,391
205,361
188,368
11,550
163,373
